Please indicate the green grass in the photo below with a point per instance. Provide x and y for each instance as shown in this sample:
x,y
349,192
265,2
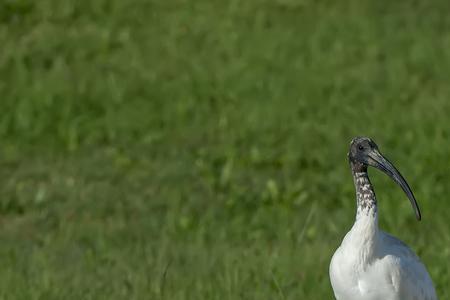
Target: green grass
x,y
197,149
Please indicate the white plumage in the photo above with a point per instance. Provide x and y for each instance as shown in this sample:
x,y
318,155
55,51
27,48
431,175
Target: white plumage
x,y
371,264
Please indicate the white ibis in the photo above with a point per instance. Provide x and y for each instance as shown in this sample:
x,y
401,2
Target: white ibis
x,y
371,264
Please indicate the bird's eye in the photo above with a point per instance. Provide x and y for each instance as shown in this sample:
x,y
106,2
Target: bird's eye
x,y
360,147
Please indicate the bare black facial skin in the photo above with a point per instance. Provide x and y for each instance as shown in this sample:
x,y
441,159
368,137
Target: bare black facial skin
x,y
364,152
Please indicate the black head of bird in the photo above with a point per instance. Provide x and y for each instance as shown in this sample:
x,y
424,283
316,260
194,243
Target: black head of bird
x,y
364,152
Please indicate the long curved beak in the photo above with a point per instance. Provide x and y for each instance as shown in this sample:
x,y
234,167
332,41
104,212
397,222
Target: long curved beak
x,y
377,160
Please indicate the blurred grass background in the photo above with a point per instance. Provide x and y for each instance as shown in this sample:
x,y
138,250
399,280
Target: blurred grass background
x,y
197,149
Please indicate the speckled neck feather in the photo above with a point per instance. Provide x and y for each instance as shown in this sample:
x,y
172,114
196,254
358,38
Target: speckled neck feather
x,y
366,201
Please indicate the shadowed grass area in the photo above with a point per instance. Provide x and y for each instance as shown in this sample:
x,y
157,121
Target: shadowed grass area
x,y
197,149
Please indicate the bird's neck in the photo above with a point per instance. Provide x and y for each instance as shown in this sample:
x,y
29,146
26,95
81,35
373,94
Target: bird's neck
x,y
363,236
366,202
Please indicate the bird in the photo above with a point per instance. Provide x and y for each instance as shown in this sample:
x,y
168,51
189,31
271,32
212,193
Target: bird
x,y
371,264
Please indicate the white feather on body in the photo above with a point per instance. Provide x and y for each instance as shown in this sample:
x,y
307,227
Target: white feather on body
x,y
373,265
